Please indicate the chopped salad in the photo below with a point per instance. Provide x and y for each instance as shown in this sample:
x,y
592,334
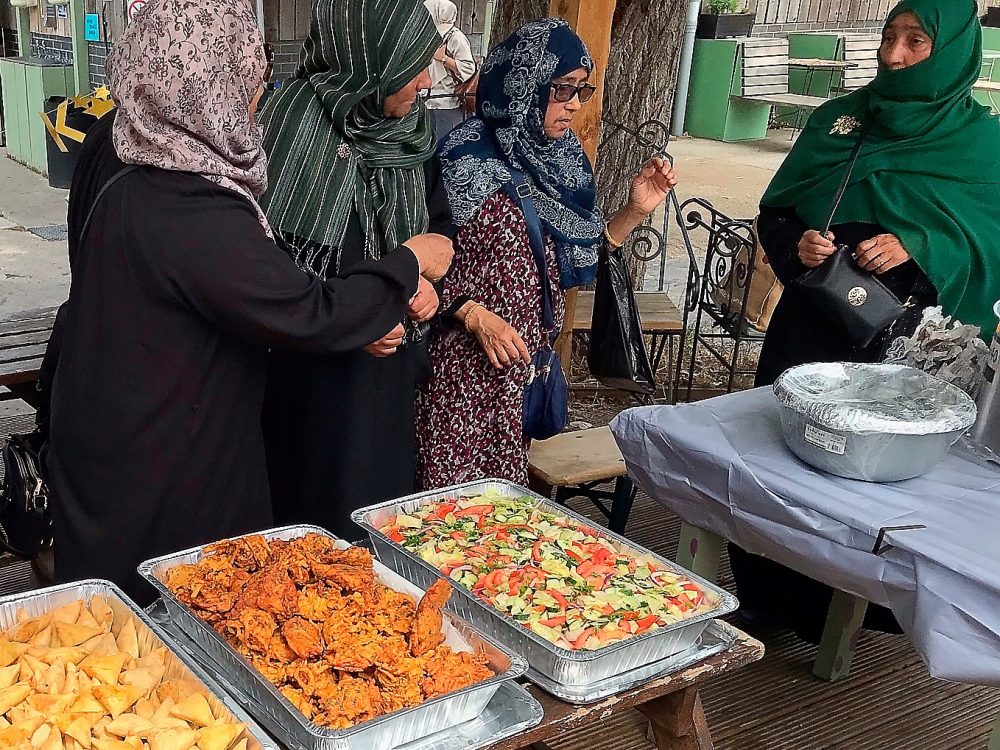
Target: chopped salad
x,y
548,572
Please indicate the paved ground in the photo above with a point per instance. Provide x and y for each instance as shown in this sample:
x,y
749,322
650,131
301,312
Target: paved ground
x,y
33,272
33,265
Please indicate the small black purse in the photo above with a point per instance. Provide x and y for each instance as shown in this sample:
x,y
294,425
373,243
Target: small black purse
x,y
25,522
854,297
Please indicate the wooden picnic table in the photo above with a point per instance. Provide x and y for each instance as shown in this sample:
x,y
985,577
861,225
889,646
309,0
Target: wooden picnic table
x,y
671,704
22,347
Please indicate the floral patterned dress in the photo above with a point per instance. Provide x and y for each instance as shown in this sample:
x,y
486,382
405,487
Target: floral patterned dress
x,y
469,413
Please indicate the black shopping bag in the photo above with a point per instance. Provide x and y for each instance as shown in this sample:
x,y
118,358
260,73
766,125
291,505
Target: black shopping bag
x,y
618,356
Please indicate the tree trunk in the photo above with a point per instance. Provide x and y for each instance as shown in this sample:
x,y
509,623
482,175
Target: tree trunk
x,y
646,39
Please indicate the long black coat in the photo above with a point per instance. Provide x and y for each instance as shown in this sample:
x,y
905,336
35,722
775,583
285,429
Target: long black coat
x,y
177,294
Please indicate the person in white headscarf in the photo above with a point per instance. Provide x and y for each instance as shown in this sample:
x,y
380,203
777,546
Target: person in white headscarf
x,y
453,64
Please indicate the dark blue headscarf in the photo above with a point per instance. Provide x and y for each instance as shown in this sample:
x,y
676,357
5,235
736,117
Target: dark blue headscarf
x,y
508,132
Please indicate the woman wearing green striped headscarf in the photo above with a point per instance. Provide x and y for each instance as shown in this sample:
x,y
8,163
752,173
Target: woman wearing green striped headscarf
x,y
920,209
351,176
919,212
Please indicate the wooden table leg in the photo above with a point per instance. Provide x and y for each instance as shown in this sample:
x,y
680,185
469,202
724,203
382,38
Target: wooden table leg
x,y
538,486
621,505
700,551
678,721
994,741
840,636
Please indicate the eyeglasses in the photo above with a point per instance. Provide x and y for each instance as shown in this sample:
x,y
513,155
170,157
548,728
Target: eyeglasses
x,y
564,92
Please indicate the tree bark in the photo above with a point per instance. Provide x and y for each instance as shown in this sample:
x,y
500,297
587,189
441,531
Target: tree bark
x,y
646,38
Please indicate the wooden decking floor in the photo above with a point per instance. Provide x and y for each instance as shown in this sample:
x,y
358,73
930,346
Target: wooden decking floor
x,y
888,703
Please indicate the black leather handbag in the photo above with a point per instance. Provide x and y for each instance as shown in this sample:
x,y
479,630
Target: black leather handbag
x,y
25,522
854,297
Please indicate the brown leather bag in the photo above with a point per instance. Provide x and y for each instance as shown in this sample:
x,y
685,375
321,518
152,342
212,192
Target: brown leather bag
x,y
765,289
466,90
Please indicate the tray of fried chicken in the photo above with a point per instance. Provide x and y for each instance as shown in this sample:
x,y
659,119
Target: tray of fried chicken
x,y
327,647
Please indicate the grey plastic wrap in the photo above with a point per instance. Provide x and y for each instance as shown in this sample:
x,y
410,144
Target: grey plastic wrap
x,y
876,422
723,465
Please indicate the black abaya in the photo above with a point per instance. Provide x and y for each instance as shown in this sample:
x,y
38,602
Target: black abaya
x,y
155,437
340,428
798,333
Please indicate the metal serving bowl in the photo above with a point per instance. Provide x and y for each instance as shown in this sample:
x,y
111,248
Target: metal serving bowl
x,y
874,422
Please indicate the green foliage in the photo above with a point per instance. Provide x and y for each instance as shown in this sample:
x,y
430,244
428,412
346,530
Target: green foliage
x,y
721,7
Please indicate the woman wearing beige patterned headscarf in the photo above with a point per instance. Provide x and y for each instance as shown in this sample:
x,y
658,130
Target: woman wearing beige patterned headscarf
x,y
177,293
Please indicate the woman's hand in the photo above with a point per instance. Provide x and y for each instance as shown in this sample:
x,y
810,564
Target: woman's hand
x,y
502,344
434,253
651,186
440,55
388,344
424,303
881,253
814,248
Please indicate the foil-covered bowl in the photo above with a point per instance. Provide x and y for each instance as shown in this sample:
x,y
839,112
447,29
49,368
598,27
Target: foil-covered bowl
x,y
874,422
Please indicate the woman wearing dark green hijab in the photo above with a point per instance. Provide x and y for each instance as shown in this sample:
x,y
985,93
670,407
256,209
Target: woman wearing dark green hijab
x,y
920,209
351,176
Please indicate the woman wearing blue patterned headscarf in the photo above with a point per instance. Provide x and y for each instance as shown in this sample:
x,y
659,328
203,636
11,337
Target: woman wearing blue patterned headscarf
x,y
530,89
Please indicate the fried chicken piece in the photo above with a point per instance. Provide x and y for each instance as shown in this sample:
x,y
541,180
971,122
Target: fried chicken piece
x,y
279,650
345,577
447,671
314,678
250,553
207,596
298,565
297,699
426,634
323,550
318,603
399,676
352,701
303,638
271,590
351,648
274,672
391,612
314,546
253,628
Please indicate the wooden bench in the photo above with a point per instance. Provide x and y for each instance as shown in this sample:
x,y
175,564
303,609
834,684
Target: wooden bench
x,y
991,89
764,79
575,463
862,50
661,320
22,347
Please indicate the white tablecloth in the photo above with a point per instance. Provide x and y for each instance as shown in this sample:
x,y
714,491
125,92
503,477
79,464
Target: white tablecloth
x,y
723,465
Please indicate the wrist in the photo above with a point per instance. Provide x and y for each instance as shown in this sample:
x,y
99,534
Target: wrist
x,y
634,215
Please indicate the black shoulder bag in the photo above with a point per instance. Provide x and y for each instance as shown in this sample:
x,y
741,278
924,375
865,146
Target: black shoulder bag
x,y
849,294
25,518
545,412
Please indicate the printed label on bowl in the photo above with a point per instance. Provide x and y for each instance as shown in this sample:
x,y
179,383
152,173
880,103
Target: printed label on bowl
x,y
826,440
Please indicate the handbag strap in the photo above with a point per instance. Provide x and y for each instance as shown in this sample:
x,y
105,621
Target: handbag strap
x,y
100,194
519,189
855,153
